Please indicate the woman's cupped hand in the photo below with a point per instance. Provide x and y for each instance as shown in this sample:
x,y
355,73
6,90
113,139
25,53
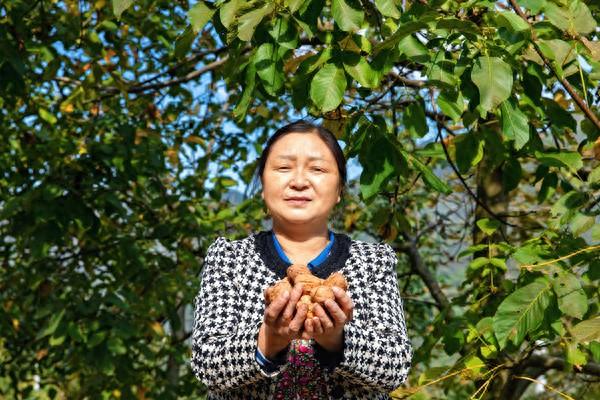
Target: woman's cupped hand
x,y
284,321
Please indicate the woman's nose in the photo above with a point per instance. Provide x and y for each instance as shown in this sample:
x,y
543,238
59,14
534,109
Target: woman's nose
x,y
299,180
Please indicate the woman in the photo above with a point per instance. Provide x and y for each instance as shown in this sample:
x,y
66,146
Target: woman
x,y
355,347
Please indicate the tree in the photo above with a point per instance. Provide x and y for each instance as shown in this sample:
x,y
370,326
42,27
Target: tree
x,y
472,120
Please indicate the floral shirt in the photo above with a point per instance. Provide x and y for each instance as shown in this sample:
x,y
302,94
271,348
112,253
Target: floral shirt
x,y
302,377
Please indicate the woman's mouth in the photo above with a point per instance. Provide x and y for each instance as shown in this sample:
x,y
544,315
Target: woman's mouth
x,y
297,201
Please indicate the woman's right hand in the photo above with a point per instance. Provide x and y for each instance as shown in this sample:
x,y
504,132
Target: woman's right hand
x,y
280,325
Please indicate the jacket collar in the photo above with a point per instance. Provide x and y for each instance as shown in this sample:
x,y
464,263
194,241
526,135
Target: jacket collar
x,y
340,251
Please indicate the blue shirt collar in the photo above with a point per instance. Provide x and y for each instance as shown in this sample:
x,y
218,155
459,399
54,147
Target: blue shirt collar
x,y
313,263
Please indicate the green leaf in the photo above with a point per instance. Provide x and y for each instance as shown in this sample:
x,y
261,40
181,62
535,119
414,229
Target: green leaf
x,y
250,82
442,73
571,297
472,249
57,340
76,332
581,223
268,70
428,176
493,77
96,338
249,21
594,176
52,324
229,10
488,226
515,124
587,331
119,6
548,187
379,160
403,31
293,5
559,51
474,367
47,116
511,174
363,73
576,18
199,15
563,159
413,49
559,117
522,312
313,63
387,8
469,151
574,355
327,87
478,263
451,103
115,346
414,119
512,21
346,17
569,201
454,24
532,253
596,232
535,6
595,350
184,42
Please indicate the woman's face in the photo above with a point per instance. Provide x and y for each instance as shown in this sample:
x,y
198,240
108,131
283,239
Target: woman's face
x,y
301,181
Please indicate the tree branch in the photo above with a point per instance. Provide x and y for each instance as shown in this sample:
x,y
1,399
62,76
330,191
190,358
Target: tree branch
x,y
586,110
418,266
548,363
192,75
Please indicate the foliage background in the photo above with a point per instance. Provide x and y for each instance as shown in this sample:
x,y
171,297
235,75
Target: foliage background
x,y
126,124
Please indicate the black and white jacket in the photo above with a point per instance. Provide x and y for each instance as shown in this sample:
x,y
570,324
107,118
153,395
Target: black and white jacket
x,y
230,306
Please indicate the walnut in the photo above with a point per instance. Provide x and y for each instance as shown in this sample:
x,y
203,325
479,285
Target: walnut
x,y
308,282
337,279
306,299
322,293
277,290
297,269
315,290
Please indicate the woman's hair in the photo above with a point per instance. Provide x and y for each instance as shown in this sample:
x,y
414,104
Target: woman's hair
x,y
302,126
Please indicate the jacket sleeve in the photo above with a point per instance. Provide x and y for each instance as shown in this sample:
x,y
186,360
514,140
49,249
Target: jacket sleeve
x,y
223,351
377,351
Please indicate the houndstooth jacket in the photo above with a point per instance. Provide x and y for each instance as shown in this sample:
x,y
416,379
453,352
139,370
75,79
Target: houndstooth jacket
x,y
230,305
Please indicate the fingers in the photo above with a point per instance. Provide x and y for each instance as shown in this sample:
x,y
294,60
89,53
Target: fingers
x,y
337,314
326,322
317,327
344,301
291,305
273,311
312,328
295,326
308,329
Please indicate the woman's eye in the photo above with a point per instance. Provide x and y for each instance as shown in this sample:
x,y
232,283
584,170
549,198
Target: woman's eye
x,y
283,168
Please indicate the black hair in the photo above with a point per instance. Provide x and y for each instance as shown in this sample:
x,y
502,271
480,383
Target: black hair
x,y
302,126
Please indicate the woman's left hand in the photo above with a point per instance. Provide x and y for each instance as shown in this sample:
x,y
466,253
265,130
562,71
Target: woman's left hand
x,y
327,329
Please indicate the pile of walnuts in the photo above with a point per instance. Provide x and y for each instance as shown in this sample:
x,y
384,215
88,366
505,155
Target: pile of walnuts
x,y
315,290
